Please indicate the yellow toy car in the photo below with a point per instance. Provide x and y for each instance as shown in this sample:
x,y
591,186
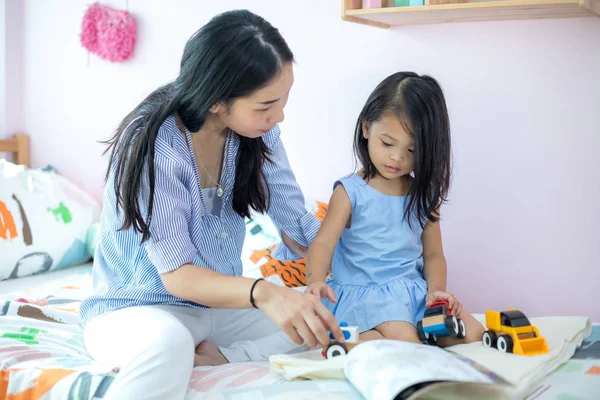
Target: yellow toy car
x,y
511,332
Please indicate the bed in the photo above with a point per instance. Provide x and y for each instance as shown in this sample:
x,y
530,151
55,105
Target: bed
x,y
18,147
42,355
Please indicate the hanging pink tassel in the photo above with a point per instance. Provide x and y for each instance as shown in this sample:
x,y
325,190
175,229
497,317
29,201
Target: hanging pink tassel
x,y
108,33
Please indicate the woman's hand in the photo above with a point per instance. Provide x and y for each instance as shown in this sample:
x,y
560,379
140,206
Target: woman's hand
x,y
321,290
301,316
438,295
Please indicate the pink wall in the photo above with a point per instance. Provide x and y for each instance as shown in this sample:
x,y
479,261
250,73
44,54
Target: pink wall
x,y
2,69
13,32
522,227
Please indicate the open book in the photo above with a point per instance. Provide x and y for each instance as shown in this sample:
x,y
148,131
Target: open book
x,y
386,369
393,370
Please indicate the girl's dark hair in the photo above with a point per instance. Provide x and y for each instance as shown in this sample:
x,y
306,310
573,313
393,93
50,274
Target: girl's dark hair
x,y
419,104
233,55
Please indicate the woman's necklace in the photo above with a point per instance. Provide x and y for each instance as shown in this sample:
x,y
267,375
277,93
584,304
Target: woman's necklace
x,y
219,187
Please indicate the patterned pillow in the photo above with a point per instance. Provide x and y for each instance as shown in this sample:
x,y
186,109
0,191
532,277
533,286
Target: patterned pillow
x,y
44,220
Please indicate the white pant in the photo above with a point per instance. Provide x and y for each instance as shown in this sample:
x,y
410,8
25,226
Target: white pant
x,y
153,346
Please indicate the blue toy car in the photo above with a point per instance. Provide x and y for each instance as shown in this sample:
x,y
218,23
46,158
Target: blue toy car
x,y
335,349
438,321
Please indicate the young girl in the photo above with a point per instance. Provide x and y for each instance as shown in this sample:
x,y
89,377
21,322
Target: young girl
x,y
381,235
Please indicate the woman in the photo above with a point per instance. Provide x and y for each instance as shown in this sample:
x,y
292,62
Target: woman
x,y
187,165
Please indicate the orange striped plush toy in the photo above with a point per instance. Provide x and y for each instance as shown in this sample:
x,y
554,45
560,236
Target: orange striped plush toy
x,y
291,272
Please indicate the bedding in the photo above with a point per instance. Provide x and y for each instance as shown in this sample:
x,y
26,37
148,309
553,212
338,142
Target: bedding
x,y
44,221
42,355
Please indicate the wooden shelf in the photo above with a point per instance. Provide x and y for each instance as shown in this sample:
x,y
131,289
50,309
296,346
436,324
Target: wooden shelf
x,y
465,12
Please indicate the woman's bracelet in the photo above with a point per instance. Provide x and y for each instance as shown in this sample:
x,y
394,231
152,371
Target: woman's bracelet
x,y
252,292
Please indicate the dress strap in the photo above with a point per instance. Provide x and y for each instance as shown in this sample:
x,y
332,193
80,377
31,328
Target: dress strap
x,y
350,186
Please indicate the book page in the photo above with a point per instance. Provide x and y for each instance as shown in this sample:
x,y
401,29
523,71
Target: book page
x,y
462,391
381,369
563,335
299,390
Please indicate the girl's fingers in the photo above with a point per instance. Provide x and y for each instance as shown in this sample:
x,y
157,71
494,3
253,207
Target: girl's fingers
x,y
459,309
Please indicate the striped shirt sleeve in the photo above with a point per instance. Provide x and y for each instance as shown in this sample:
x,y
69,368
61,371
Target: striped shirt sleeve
x,y
170,245
287,208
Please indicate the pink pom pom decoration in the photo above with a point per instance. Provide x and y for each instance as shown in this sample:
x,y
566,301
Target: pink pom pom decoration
x,y
108,33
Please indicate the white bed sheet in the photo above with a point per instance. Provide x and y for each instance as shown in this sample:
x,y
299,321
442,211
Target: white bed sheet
x,y
29,282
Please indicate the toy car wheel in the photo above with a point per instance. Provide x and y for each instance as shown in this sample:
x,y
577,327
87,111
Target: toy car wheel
x,y
489,339
462,330
452,326
432,339
422,335
505,343
336,349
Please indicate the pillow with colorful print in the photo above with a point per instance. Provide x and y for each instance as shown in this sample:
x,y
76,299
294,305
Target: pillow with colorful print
x,y
44,221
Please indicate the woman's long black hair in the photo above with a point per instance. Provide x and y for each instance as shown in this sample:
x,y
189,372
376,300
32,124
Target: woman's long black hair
x,y
419,104
233,55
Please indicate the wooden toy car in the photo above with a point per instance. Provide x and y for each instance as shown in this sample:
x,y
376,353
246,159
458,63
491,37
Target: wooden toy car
x,y
336,348
511,332
439,321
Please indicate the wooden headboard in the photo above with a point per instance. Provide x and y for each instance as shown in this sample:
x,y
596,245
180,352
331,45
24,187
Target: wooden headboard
x,y
18,145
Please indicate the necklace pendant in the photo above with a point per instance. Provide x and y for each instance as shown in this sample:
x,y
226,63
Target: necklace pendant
x,y
220,191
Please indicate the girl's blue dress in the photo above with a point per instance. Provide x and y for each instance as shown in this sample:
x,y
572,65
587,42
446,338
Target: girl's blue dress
x,y
377,266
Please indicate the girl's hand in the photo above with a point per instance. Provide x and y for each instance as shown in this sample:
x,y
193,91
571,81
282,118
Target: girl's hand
x,y
321,290
438,295
301,316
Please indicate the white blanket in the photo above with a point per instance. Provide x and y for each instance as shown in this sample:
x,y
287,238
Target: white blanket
x,y
308,365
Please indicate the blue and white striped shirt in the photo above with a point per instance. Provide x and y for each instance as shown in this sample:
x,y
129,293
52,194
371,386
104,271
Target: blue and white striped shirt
x,y
182,231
